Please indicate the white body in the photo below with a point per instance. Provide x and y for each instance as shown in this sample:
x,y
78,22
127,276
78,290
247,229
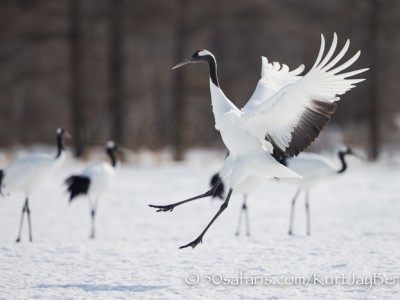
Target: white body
x,y
247,155
314,168
25,174
100,175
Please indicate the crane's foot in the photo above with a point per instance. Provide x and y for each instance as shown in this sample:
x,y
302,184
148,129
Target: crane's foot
x,y
18,240
163,207
194,243
290,232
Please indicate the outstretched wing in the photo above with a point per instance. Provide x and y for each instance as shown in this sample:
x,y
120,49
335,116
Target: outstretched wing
x,y
274,77
295,115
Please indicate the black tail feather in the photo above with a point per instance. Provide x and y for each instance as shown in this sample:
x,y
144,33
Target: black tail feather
x,y
77,185
1,181
219,192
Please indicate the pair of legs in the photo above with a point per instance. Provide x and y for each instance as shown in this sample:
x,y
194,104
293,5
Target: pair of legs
x,y
25,209
307,211
210,193
244,211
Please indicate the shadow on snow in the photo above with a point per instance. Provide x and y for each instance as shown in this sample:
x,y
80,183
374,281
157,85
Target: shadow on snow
x,y
104,287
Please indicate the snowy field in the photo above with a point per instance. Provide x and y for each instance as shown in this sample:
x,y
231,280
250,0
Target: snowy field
x,y
355,231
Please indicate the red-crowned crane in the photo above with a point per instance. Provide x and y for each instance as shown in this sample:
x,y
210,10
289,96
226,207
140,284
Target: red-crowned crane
x,y
284,115
314,168
26,174
93,182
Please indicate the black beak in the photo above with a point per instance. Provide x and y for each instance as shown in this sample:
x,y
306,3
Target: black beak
x,y
351,152
185,62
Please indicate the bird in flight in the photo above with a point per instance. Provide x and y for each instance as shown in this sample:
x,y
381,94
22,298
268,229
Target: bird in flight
x,y
284,115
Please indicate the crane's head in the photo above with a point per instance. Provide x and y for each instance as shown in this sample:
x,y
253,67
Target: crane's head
x,y
348,151
61,132
110,145
200,55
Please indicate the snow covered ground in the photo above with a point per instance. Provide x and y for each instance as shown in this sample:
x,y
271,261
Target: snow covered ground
x,y
355,229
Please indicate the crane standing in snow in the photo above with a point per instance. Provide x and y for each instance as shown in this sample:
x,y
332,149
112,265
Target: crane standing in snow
x,y
27,173
285,114
93,182
314,168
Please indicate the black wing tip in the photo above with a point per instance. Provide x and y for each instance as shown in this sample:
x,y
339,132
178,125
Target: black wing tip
x,y
312,122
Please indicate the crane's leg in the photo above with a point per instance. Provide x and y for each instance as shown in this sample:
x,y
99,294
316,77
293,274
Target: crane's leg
x,y
239,221
170,207
92,220
93,211
308,212
199,239
292,211
244,211
22,220
28,213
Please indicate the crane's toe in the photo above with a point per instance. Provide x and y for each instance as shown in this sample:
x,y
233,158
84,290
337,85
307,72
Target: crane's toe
x,y
194,243
162,207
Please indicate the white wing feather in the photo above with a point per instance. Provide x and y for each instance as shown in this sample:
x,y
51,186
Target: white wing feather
x,y
292,116
274,77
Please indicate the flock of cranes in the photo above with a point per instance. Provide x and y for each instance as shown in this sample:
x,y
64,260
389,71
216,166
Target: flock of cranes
x,y
315,168
24,175
285,114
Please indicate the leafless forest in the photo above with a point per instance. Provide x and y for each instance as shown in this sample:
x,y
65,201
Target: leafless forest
x,y
102,68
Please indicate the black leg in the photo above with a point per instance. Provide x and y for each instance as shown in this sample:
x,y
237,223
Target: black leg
x,y
242,211
92,217
308,213
170,207
22,220
246,212
28,212
200,237
239,221
292,212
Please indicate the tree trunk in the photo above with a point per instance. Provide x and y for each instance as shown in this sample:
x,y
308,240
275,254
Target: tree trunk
x,y
178,89
373,114
76,98
115,70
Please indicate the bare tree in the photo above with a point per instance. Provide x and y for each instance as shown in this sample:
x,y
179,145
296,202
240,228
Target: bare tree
x,y
115,69
178,89
373,114
76,96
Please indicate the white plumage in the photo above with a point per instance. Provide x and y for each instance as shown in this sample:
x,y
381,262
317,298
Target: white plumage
x,y
93,182
284,115
26,174
100,175
314,168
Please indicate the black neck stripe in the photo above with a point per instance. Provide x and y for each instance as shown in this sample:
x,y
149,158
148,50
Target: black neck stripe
x,y
60,146
111,154
213,69
342,160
